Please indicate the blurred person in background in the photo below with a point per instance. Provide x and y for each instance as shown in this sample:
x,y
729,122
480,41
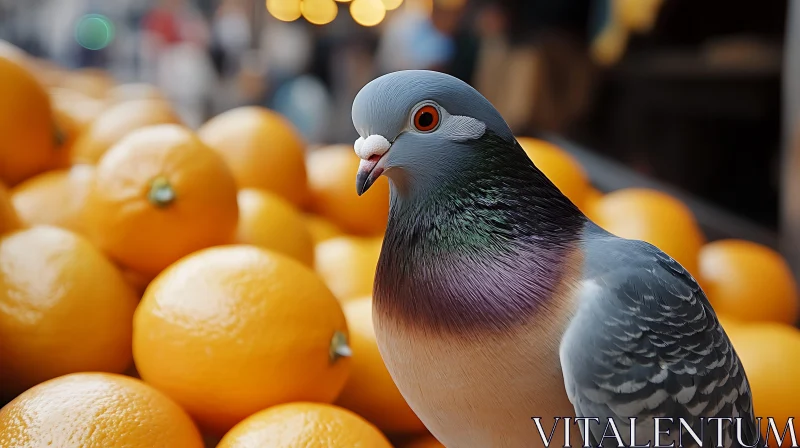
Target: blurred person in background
x,y
534,61
169,23
457,20
231,35
411,41
175,57
441,39
349,66
286,50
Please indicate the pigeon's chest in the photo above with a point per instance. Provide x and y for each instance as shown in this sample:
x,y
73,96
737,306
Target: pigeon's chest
x,y
480,389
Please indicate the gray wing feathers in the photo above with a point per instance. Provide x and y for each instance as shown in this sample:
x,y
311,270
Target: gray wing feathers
x,y
645,343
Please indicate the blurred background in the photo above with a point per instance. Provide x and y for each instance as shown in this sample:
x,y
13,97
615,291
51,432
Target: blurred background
x,y
685,93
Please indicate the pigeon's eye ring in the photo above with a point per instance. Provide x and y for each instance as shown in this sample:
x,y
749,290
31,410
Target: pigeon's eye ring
x,y
427,118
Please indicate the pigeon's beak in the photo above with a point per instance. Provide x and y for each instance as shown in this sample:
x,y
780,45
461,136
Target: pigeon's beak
x,y
373,152
368,172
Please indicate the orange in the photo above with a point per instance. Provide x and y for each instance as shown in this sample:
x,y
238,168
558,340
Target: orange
x,y
56,198
321,229
263,149
590,201
93,82
370,391
43,70
133,91
96,410
67,130
559,166
117,122
28,144
729,323
47,72
18,55
769,355
427,441
158,195
303,425
347,264
269,221
749,282
231,330
655,217
79,108
64,308
332,180
9,219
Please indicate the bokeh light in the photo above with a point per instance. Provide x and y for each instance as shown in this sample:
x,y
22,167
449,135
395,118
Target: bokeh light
x,y
94,31
367,12
319,12
392,4
285,10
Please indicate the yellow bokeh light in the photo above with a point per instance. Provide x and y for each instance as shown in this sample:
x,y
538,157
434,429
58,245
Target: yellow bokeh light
x,y
392,4
342,1
367,12
285,10
319,12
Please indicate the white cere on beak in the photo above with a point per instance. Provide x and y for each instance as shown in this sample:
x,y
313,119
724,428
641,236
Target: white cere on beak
x,y
374,145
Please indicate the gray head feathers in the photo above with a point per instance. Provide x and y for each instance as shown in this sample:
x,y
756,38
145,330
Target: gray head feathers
x,y
384,106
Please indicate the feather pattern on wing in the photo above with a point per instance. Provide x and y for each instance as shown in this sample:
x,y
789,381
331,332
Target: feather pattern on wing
x,y
646,343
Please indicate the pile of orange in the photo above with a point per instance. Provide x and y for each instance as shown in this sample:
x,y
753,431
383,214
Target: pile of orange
x,y
216,283
199,276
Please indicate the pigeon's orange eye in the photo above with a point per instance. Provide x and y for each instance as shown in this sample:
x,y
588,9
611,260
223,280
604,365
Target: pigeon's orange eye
x,y
426,118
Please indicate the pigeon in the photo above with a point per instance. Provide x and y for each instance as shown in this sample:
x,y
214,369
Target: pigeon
x,y
505,316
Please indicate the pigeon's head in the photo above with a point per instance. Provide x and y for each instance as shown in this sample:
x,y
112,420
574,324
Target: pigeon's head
x,y
419,126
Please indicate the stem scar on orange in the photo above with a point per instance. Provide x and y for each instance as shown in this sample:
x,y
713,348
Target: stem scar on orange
x,y
229,331
158,195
